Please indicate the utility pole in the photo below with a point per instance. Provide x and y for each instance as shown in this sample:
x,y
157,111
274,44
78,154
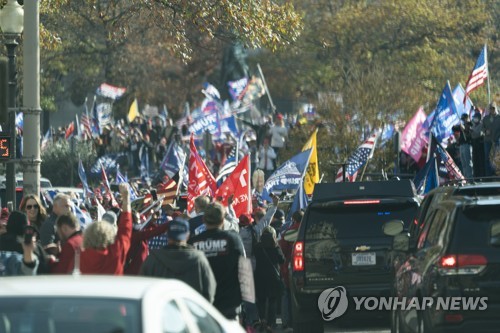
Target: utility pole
x,y
31,94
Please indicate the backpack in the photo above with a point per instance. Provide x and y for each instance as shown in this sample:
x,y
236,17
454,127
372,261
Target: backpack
x,y
10,263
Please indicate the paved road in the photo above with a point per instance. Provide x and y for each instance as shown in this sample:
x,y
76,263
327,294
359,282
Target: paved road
x,y
330,328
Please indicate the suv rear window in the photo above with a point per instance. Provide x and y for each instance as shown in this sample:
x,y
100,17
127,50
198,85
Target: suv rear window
x,y
356,221
474,227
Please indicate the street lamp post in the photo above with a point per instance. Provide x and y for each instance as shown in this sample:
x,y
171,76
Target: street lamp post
x,y
11,22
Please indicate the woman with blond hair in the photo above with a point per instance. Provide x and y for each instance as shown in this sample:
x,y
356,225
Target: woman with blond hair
x,y
32,206
105,247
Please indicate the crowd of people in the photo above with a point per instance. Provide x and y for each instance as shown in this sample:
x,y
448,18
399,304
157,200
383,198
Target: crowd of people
x,y
204,250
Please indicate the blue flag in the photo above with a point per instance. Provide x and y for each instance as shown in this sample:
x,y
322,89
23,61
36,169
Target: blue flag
x,y
300,202
432,179
120,178
288,176
445,116
174,159
83,179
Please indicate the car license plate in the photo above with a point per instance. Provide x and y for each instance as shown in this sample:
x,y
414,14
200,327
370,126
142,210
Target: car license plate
x,y
364,259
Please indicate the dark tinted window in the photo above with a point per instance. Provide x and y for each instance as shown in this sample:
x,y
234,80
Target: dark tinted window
x,y
59,314
355,221
436,228
475,225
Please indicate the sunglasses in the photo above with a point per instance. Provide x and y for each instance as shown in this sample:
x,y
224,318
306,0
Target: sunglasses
x,y
28,207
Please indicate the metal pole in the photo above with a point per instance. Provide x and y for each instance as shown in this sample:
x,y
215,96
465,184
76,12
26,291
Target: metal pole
x,y
266,88
31,97
10,180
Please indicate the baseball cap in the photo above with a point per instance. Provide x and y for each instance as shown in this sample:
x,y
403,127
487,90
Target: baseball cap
x,y
280,214
110,217
178,229
245,219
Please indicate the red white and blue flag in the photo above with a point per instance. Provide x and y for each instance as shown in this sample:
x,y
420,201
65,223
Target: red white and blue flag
x,y
479,73
358,159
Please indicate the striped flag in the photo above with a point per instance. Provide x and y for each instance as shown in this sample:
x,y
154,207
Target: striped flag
x,y
85,122
168,190
358,159
453,170
479,73
108,187
227,168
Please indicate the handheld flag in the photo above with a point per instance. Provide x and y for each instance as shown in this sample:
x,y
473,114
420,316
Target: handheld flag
x,y
445,116
83,179
107,187
109,91
133,112
358,159
312,175
201,180
478,75
238,183
228,167
69,131
288,176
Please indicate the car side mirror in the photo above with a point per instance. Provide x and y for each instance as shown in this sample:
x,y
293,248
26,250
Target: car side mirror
x,y
393,227
401,242
495,234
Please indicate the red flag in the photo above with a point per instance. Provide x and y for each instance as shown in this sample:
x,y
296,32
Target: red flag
x,y
69,130
201,180
238,183
108,189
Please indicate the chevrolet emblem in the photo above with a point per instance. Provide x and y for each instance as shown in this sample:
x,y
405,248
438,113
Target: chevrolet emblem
x,y
362,248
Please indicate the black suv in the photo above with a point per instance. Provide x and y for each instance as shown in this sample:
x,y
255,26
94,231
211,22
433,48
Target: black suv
x,y
341,243
452,251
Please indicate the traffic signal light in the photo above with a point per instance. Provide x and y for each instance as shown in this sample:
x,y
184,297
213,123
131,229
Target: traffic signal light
x,y
4,90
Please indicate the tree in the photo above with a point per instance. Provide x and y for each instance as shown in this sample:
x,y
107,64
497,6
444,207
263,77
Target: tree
x,y
160,50
382,58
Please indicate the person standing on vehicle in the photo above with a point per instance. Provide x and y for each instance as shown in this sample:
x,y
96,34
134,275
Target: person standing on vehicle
x,y
68,230
491,127
178,260
477,136
105,248
267,155
268,281
223,250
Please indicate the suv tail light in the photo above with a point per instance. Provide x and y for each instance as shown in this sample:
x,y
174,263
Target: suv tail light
x,y
462,264
298,256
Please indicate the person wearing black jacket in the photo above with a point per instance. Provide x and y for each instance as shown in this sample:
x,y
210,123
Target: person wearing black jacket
x,y
268,282
178,260
223,250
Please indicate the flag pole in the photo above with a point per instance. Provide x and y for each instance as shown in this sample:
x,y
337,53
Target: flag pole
x,y
487,70
266,88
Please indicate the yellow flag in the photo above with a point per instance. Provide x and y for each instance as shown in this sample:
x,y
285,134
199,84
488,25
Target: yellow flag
x,y
312,175
133,111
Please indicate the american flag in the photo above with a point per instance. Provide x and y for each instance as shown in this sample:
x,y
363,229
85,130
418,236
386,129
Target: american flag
x,y
168,190
358,159
85,122
479,74
453,170
227,168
